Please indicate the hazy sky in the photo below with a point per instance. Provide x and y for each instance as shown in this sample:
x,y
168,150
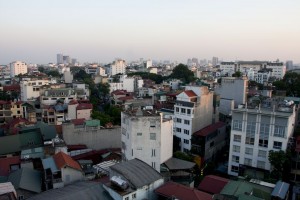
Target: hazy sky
x,y
102,30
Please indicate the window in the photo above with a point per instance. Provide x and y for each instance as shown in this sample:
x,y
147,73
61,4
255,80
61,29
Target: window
x,y
185,141
178,120
236,138
188,111
152,123
153,164
177,109
134,195
178,130
249,141
153,153
126,198
187,122
249,151
182,110
236,148
123,131
187,132
277,145
261,164
139,134
235,159
248,161
262,154
152,136
139,148
235,169
264,135
212,144
237,125
279,131
185,150
123,145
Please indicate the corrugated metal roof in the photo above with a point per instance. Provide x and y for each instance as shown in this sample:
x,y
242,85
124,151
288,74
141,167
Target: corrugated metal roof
x,y
280,190
93,122
48,163
78,190
26,179
137,172
176,164
7,188
32,153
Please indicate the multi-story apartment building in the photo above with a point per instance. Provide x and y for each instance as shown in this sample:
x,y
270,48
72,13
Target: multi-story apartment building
x,y
246,67
131,84
255,131
193,111
233,88
264,75
148,136
65,95
118,67
10,110
30,87
17,68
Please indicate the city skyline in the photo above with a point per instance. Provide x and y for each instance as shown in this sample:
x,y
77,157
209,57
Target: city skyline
x,y
101,31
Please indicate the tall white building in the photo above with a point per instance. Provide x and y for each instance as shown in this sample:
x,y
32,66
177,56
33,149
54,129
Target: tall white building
x,y
17,68
256,131
118,67
148,136
30,88
193,111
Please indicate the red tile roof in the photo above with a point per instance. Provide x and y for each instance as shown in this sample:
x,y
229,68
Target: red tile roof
x,y
178,191
14,87
84,106
190,93
73,102
212,184
73,147
5,164
209,129
4,102
62,160
119,92
125,98
78,121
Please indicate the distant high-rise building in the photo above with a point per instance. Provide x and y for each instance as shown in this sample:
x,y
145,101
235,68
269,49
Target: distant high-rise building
x,y
17,68
60,58
74,61
66,60
289,65
148,63
215,61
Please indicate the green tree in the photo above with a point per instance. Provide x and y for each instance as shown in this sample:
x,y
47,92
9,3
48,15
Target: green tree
x,y
114,112
146,75
104,118
41,69
290,83
183,156
103,89
183,73
237,74
280,162
53,73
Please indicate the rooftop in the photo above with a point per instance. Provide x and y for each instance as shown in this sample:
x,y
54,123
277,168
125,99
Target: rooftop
x,y
62,160
178,164
212,184
137,172
177,191
210,129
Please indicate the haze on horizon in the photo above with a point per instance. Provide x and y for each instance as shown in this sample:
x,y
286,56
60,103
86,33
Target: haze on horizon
x,y
102,30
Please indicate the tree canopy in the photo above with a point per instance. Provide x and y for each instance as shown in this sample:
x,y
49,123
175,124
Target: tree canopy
x,y
146,75
280,162
290,83
183,73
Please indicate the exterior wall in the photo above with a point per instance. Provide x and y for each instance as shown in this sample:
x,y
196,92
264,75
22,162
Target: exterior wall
x,y
129,84
70,175
136,142
200,117
279,69
227,68
226,105
68,77
86,114
118,67
272,119
218,143
72,111
166,140
31,89
94,139
17,68
233,88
